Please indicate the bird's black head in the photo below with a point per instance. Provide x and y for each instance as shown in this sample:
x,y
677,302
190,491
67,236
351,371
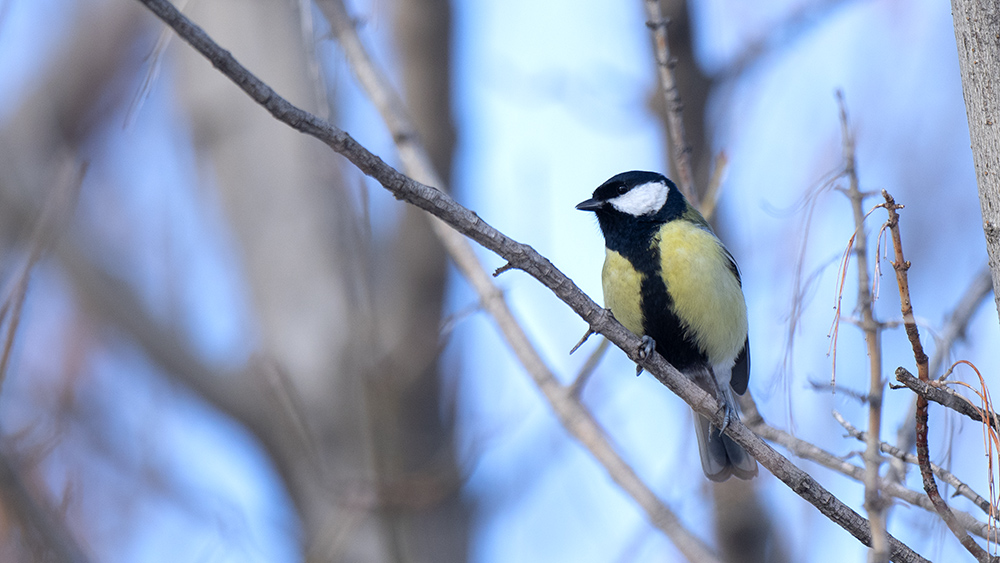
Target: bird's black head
x,y
635,200
637,194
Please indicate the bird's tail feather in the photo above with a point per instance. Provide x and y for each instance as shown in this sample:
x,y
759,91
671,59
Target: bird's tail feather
x,y
721,457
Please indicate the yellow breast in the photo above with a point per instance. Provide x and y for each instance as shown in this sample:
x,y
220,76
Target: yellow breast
x,y
622,291
706,295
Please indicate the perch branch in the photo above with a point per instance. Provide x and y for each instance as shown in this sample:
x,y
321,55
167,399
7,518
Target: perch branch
x,y
527,259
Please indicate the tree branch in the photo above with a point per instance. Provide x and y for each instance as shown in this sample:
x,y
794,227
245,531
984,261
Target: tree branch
x,y
680,150
946,397
523,257
947,476
874,504
900,265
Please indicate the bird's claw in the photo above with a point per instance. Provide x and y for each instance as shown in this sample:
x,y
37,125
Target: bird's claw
x,y
647,347
726,417
729,414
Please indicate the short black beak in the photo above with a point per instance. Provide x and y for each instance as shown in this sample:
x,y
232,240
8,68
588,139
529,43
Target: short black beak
x,y
590,205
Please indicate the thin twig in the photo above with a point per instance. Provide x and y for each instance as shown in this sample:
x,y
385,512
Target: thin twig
x,y
972,298
680,150
714,188
961,488
942,395
874,504
900,265
807,450
527,259
583,376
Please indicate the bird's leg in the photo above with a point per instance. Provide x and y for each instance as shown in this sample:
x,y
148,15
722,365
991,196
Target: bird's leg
x,y
725,404
646,349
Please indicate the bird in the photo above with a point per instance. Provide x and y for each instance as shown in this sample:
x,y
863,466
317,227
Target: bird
x,y
669,279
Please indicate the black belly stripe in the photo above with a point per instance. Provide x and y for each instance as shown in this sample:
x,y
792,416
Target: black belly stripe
x,y
634,240
665,327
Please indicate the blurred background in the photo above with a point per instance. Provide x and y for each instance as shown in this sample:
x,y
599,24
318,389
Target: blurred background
x,y
221,342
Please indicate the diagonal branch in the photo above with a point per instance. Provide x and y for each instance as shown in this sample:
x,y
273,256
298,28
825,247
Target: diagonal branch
x,y
525,258
947,476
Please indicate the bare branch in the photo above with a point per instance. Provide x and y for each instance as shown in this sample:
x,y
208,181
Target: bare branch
x,y
59,205
812,452
944,396
874,503
947,476
900,265
680,150
527,259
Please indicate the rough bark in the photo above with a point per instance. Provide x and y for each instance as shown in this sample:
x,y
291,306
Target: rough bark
x,y
977,33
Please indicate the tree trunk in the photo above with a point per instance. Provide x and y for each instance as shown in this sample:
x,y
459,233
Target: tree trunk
x,y
977,33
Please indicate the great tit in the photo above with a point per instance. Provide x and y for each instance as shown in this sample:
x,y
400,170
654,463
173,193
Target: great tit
x,y
670,280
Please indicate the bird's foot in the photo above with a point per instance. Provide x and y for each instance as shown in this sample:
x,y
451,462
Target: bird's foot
x,y
647,347
729,414
726,417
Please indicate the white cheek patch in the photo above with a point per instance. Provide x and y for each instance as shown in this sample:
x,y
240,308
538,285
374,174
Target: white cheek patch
x,y
642,200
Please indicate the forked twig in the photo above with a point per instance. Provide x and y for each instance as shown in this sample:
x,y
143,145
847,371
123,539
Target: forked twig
x,y
900,265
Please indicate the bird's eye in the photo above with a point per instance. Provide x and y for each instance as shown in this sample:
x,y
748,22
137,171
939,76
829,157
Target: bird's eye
x,y
622,189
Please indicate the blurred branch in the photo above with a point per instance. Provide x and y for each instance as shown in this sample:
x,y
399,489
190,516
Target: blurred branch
x,y
58,206
587,370
36,515
525,258
680,149
947,476
807,450
874,504
900,265
958,321
781,35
